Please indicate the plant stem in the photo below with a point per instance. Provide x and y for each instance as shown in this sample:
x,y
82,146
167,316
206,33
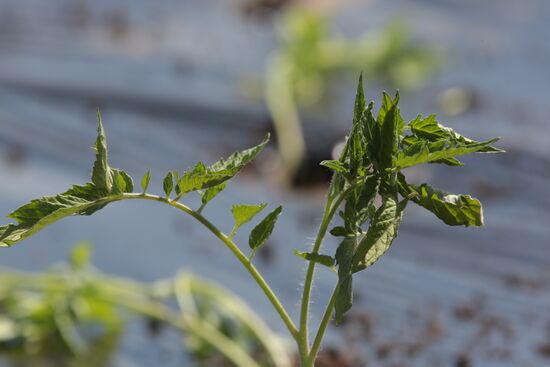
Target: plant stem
x,y
322,328
331,206
303,341
235,250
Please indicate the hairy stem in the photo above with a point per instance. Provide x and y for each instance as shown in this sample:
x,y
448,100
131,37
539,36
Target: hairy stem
x,y
331,206
322,328
235,250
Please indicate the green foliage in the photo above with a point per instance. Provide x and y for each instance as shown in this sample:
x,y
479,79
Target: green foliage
x,y
168,184
375,152
108,185
145,181
260,234
105,177
73,314
454,210
56,313
367,190
243,213
212,192
202,177
111,184
325,260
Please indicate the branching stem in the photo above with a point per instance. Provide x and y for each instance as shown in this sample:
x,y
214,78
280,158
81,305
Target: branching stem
x,y
331,206
228,242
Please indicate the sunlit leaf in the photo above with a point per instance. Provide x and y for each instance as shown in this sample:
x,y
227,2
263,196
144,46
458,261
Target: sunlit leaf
x,y
336,166
34,216
429,128
202,177
325,260
243,213
212,192
381,233
145,181
108,184
426,152
168,184
263,230
104,176
454,210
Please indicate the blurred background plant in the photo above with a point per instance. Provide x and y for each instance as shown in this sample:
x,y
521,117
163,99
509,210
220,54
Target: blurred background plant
x,y
310,60
73,315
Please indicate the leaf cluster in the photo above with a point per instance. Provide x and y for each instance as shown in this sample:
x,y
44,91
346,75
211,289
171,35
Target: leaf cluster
x,y
110,184
377,149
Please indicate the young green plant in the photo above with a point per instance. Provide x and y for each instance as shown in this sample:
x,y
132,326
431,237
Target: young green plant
x,y
377,149
74,314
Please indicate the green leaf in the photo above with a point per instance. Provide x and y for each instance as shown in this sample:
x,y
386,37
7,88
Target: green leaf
x,y
454,210
263,230
356,210
372,134
344,291
339,232
194,179
104,176
325,260
381,233
236,161
177,187
107,186
430,129
360,102
212,192
145,181
426,152
336,166
101,175
357,147
243,213
122,182
202,177
34,216
168,184
413,139
389,138
387,104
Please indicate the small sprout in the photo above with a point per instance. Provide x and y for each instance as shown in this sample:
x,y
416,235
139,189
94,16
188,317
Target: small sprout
x,y
145,181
